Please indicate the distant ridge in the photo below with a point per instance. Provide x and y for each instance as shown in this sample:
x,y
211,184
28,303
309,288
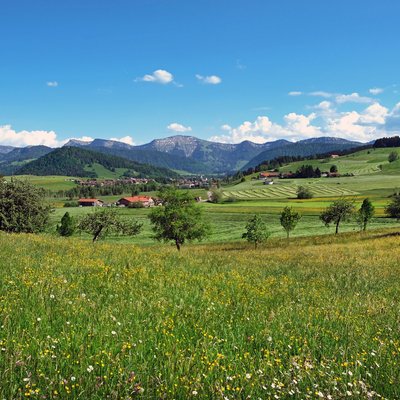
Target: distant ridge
x,y
74,161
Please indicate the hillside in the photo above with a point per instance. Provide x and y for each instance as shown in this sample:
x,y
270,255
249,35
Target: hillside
x,y
5,149
303,148
364,162
73,161
11,161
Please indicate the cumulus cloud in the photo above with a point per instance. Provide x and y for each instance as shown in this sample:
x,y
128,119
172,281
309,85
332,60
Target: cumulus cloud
x,y
9,136
392,122
372,122
159,76
295,93
125,139
295,127
178,127
376,91
52,84
209,80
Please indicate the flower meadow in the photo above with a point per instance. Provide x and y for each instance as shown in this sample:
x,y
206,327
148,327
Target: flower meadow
x,y
316,319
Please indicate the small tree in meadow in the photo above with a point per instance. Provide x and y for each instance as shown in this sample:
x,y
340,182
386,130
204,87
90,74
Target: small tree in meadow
x,y
179,219
333,169
304,192
392,210
365,214
101,223
393,156
256,231
67,226
339,211
289,220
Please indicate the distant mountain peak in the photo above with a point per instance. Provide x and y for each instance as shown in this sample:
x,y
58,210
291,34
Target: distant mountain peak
x,y
77,142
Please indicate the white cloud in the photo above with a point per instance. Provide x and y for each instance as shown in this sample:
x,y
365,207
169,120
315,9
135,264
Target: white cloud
x,y
125,139
374,114
295,93
210,80
178,127
352,98
376,91
9,136
297,126
372,122
159,76
320,93
52,84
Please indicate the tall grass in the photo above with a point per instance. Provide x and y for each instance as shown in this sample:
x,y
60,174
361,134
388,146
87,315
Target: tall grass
x,y
316,319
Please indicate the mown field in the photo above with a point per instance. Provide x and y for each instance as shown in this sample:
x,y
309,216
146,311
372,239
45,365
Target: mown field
x,y
316,319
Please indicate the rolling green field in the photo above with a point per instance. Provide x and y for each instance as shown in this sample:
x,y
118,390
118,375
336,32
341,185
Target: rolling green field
x,y
316,319
373,176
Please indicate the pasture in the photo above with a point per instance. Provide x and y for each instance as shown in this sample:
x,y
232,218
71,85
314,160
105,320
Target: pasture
x,y
316,319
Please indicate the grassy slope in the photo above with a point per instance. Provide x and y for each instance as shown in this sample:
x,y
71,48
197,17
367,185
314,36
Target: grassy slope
x,y
369,180
314,319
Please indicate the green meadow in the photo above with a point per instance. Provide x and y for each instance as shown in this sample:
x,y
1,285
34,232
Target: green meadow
x,y
316,319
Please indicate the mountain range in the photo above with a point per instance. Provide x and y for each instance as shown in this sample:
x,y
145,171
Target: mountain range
x,y
185,154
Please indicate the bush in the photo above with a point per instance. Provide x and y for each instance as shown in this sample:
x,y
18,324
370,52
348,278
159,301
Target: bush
x,y
71,204
304,192
136,204
393,156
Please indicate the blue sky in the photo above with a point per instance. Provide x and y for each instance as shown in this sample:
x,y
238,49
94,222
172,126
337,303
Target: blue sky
x,y
221,70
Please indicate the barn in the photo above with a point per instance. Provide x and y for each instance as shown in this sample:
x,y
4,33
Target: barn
x,y
90,203
127,201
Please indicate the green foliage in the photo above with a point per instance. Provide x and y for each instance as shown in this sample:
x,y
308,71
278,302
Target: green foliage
x,y
216,196
333,169
340,210
71,204
256,231
136,204
393,156
303,192
22,207
179,219
392,210
67,226
365,214
103,222
289,219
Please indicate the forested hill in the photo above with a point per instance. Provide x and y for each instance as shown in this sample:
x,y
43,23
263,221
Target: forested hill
x,y
74,161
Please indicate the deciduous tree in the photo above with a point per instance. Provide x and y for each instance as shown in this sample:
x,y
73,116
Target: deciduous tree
x,y
339,211
103,222
179,219
392,210
23,207
365,214
289,220
256,231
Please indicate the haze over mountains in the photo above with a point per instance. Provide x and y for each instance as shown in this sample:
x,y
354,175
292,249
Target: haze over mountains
x,y
187,154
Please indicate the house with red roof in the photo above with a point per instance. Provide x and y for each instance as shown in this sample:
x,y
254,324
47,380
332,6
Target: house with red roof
x,y
128,201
